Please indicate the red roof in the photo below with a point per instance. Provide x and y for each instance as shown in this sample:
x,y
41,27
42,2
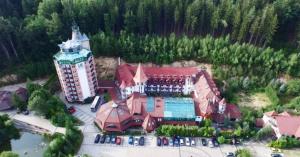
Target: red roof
x,y
122,85
271,113
22,93
233,111
127,73
140,76
5,100
259,122
207,95
288,125
112,113
149,123
285,114
135,103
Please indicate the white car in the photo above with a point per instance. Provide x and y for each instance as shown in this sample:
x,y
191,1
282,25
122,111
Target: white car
x,y
187,141
210,144
181,142
136,141
193,142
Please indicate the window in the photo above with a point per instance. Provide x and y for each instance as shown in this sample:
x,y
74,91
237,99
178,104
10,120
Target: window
x,y
111,126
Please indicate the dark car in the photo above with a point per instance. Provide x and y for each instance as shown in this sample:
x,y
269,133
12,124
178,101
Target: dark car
x,y
130,140
276,155
176,141
102,139
142,141
204,142
215,142
158,141
97,138
113,139
165,141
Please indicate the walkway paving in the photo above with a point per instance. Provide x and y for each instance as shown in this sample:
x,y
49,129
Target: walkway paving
x,y
33,122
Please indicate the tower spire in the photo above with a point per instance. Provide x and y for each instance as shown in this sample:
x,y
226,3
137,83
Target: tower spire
x,y
75,31
140,76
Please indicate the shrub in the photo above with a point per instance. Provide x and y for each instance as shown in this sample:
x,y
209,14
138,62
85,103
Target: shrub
x,y
8,154
64,145
7,130
293,87
285,142
264,133
193,131
243,153
272,94
221,139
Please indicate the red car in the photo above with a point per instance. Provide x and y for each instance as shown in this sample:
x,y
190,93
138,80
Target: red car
x,y
118,141
72,109
165,141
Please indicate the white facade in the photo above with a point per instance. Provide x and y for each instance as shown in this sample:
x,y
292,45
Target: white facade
x,y
83,80
270,121
75,68
140,87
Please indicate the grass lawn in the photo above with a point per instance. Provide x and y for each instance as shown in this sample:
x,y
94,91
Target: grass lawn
x,y
254,100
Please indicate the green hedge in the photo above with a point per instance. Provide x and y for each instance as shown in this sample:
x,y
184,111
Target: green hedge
x,y
185,131
285,142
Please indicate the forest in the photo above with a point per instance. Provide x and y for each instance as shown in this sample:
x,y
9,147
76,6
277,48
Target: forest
x,y
239,33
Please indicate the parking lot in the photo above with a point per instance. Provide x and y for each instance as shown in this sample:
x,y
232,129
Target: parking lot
x,y
151,149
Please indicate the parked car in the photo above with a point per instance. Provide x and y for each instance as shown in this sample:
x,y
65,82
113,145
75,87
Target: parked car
x,y
176,141
204,142
108,138
181,141
193,142
130,140
113,139
235,141
171,142
276,155
142,141
26,112
118,140
187,141
102,139
136,141
72,109
158,141
165,141
97,138
215,142
210,144
229,154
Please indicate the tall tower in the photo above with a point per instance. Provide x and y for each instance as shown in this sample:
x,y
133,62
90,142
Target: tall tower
x,y
75,67
140,79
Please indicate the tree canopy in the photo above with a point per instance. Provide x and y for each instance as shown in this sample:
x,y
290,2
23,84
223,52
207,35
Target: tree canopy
x,y
31,29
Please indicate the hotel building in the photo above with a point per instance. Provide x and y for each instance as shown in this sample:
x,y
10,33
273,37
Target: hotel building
x,y
151,96
75,68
